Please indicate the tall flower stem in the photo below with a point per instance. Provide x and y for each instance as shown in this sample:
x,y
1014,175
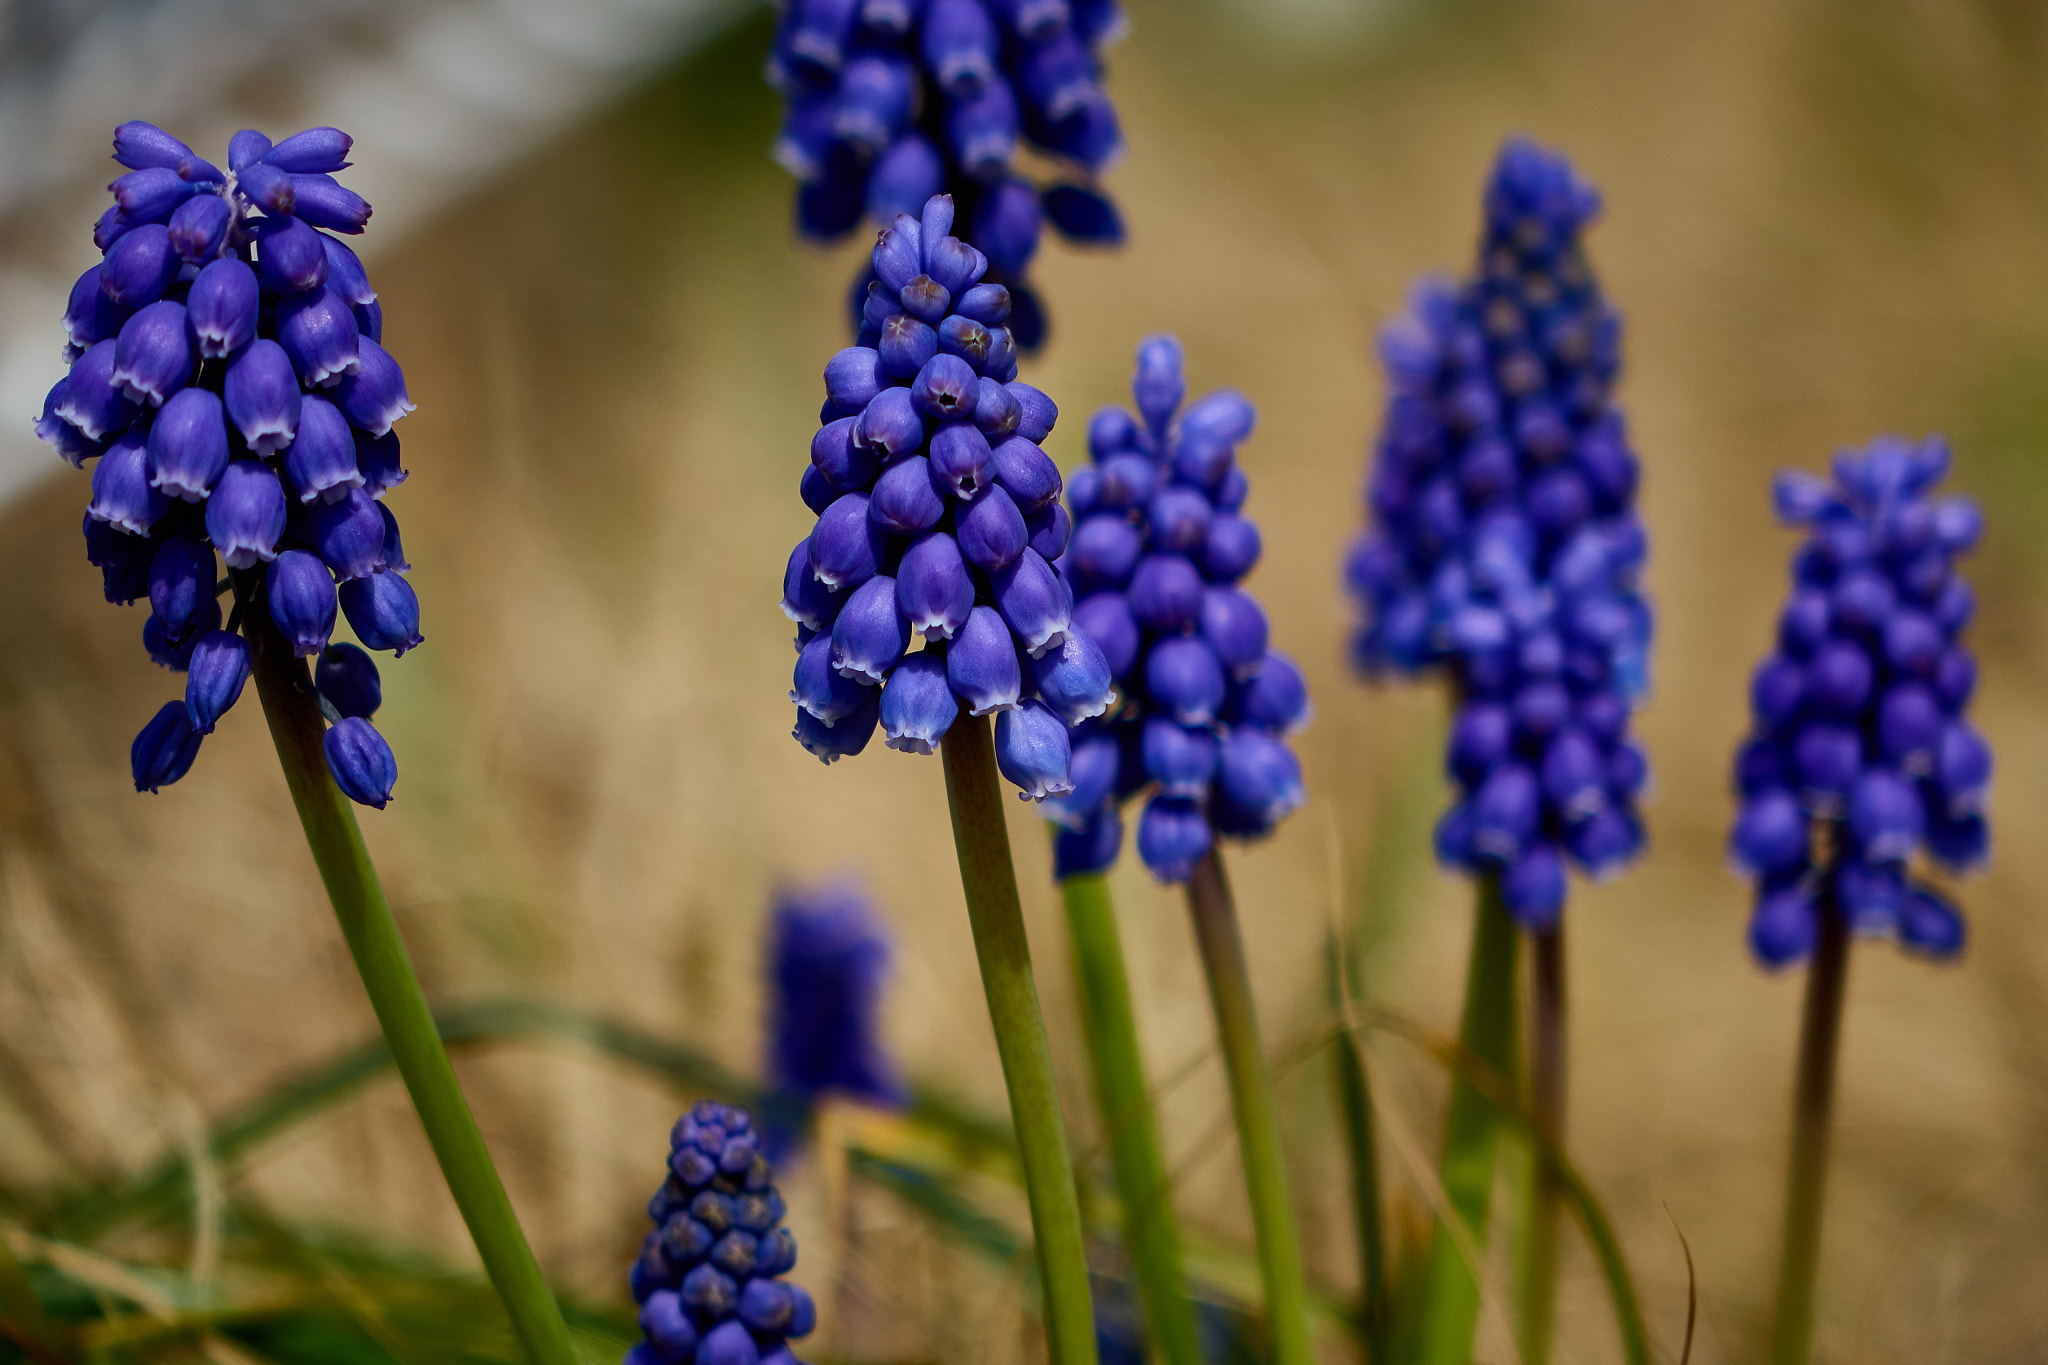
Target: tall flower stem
x,y
1546,1117
990,883
1450,1295
289,703
1258,1119
1151,1233
1812,1117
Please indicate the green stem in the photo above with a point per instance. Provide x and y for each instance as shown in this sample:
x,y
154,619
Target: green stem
x,y
990,884
1361,1146
1813,1103
1450,1294
1150,1231
1546,1117
285,687
1258,1119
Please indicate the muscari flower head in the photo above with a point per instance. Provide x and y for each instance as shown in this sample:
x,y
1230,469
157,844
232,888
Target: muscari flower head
x,y
938,516
708,1279
1504,547
1860,757
828,956
229,387
1160,543
892,101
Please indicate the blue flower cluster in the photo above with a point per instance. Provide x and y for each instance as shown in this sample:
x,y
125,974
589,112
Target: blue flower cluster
x,y
827,959
708,1279
938,515
893,101
1505,546
228,384
1160,544
1860,756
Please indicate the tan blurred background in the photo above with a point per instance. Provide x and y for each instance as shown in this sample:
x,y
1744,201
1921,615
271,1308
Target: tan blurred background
x,y
1825,219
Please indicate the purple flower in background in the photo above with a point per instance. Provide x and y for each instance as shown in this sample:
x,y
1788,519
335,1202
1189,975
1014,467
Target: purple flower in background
x,y
828,956
228,383
1504,546
1159,545
888,102
709,1276
937,523
1860,755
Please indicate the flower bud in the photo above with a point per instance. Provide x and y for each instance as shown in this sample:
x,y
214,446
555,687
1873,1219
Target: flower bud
x,y
180,583
946,388
1173,835
805,599
199,228
1533,888
383,611
216,670
1166,594
187,448
845,464
377,459
374,395
1006,225
1037,413
1158,385
345,274
263,397
1048,528
121,491
313,151
906,345
1185,679
1826,760
1504,813
1032,750
246,514
318,333
288,252
349,534
1073,678
321,463
961,458
153,355
909,173
1033,602
987,304
829,743
92,401
966,340
822,690
347,677
871,632
361,762
981,663
846,546
854,377
917,705
904,501
991,530
164,751
996,413
318,200
1838,680
1106,548
140,266
1180,759
1026,473
1235,627
1274,697
301,597
933,588
222,307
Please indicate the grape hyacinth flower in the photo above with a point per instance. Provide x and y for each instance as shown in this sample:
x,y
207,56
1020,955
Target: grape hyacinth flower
x,y
937,516
888,102
828,956
229,386
1159,548
1860,763
1504,552
709,1276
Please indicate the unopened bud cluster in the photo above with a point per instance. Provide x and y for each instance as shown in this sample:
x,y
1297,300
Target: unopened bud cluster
x,y
230,391
1505,547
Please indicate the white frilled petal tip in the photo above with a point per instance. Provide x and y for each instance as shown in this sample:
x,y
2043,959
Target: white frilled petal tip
x,y
1052,641
909,744
1045,789
1008,704
858,674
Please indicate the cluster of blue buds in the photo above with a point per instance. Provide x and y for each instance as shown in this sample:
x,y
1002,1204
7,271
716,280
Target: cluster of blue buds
x,y
1860,756
1160,544
893,101
228,384
938,514
1505,547
828,957
708,1280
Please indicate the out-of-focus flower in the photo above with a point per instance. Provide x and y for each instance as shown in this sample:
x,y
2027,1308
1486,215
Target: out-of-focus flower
x,y
828,957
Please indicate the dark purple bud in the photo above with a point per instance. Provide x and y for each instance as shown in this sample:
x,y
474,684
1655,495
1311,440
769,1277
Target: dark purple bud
x,y
960,46
805,600
1107,620
996,413
933,588
1862,600
1784,924
1186,680
890,423
846,546
1034,602
1007,224
853,377
917,705
153,357
1504,814
876,95
1166,594
1127,482
217,669
1869,894
829,743
1959,845
946,386
1533,888
1106,548
1962,771
1838,680
109,228
121,491
1955,678
301,598
139,145
164,751
222,307
909,173
1033,751
729,1343
1037,414
1908,726
981,663
290,256
345,274
1084,216
1159,383
1095,770
1770,835
1929,924
669,1329
1803,626
1049,527
925,299
263,397
246,514
1235,627
1084,490
1027,473
821,689
321,463
270,188
1111,431
123,560
1091,845
318,200
904,501
1274,697
816,491
906,345
181,580
1173,835
1886,818
1574,775
245,148
1179,519
140,266
361,762
377,460
1605,841
383,611
347,677
1230,494
1480,739
1181,760
1001,361
315,151
92,401
1912,643
199,228
1776,691
188,445
318,333
1073,677
964,339
67,440
987,304
348,534
961,458
991,531
871,632
374,396
767,1306
899,255
982,129
89,315
1826,760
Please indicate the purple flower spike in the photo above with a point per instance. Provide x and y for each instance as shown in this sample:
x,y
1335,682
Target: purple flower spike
x,y
245,516
165,749
361,762
300,593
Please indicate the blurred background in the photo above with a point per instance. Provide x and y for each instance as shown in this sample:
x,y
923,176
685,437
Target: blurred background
x,y
1824,219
